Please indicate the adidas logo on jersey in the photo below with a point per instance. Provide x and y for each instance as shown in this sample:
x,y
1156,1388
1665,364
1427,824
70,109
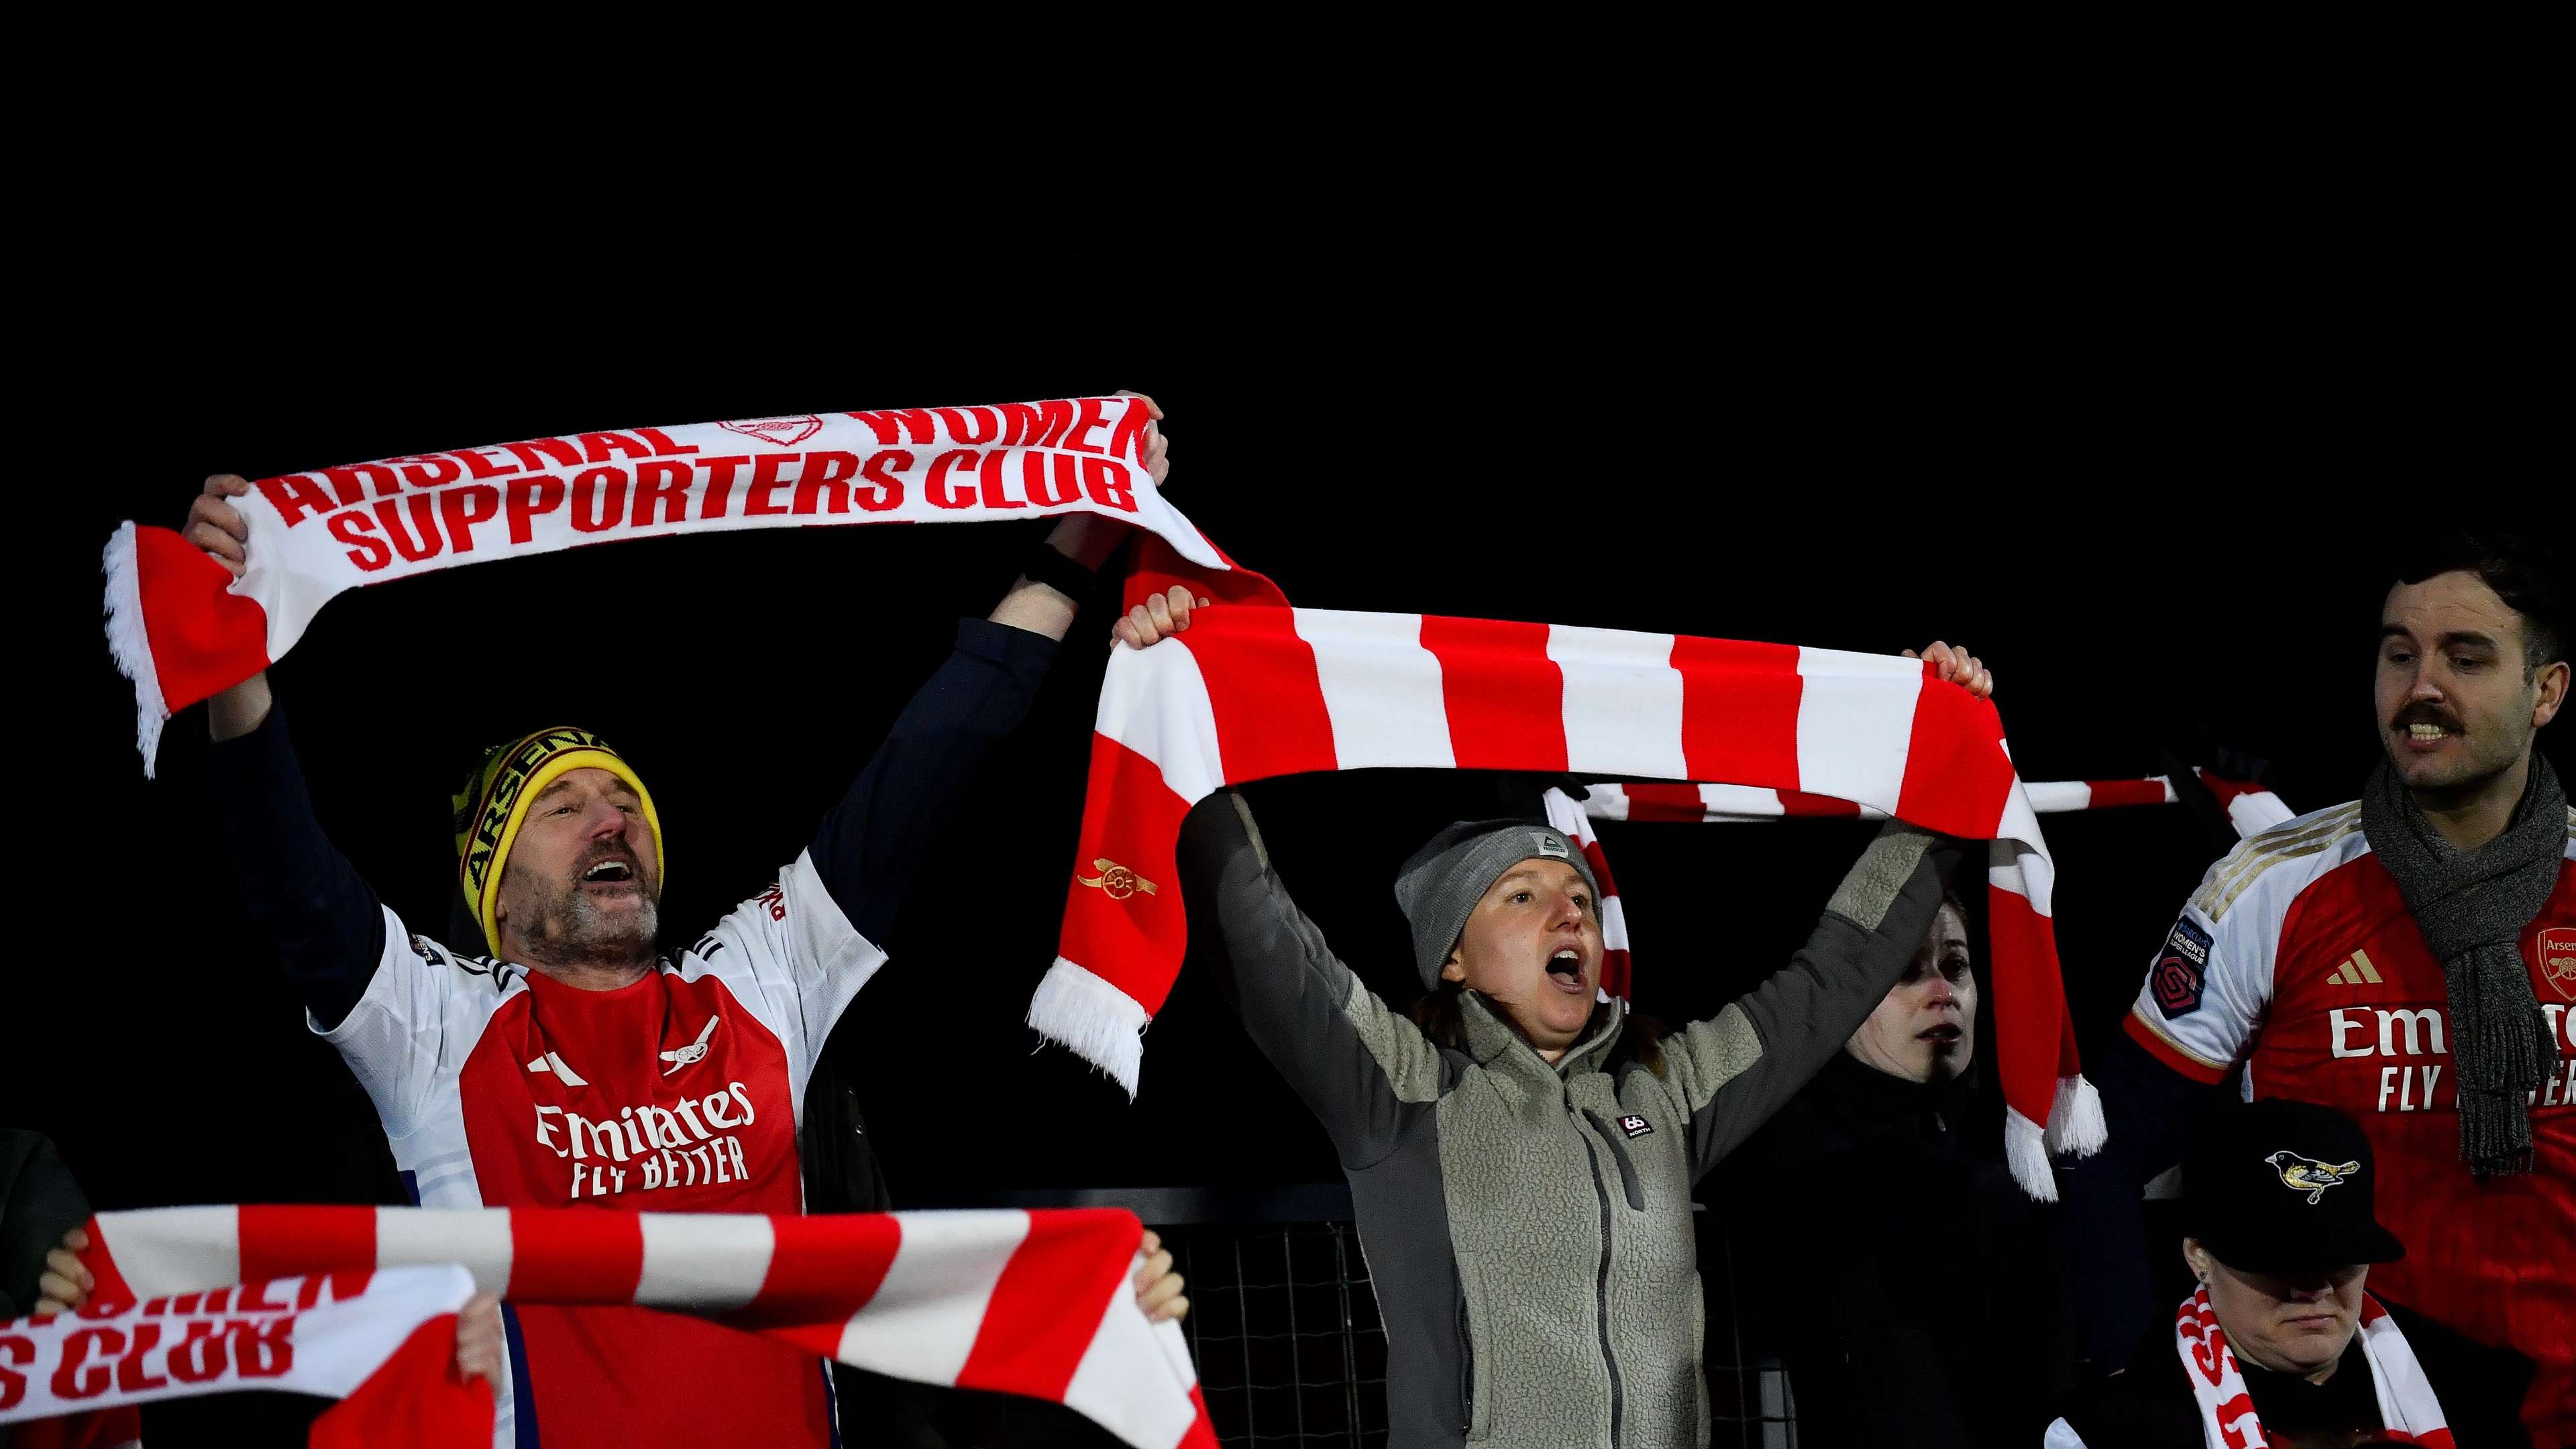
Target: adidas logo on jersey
x,y
2356,970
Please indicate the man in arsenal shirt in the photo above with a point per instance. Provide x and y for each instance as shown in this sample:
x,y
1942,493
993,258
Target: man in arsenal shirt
x,y
2409,958
575,1063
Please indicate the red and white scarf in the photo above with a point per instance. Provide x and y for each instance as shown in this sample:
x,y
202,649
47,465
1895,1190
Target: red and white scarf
x,y
2227,1421
2250,808
381,1342
1034,1303
1249,693
183,628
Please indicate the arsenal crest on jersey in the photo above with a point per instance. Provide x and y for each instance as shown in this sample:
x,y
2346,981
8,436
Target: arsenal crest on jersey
x,y
2556,949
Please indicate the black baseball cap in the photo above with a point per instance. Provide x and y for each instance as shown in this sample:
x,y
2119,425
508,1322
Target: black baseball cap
x,y
2278,1186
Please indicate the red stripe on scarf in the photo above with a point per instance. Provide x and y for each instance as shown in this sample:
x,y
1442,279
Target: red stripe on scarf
x,y
204,638
1953,772
1134,944
1800,803
2029,1010
1159,566
1739,712
283,1242
821,1270
1268,702
2225,789
1505,697
2107,793
1667,802
1028,1343
570,1255
412,1401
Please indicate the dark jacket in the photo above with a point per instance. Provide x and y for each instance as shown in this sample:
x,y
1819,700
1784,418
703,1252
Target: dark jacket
x,y
1883,1249
39,1203
2150,1404
1527,1224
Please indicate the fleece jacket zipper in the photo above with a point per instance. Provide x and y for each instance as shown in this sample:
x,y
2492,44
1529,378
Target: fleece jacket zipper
x,y
1601,1284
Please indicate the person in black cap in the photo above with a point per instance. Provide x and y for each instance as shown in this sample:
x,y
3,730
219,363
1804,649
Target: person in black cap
x,y
2279,1342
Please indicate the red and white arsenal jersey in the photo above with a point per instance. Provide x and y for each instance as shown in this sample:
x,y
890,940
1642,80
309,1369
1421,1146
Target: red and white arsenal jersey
x,y
678,1093
2298,957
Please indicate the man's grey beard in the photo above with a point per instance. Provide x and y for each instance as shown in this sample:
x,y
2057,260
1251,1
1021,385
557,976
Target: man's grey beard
x,y
573,931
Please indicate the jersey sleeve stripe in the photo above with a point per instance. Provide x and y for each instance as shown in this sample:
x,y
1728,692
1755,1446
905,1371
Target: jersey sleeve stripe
x,y
2261,853
2170,1052
2251,857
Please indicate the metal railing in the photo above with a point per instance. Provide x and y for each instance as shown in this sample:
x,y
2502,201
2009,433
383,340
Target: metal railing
x,y
1284,1323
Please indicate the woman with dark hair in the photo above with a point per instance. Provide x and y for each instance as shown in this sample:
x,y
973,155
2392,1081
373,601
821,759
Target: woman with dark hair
x,y
1880,1243
1521,1163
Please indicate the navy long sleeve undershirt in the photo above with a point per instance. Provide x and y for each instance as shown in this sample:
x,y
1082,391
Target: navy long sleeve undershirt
x,y
326,922
329,927
2152,1112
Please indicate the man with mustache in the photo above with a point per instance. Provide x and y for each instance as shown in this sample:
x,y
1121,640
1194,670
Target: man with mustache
x,y
2409,958
576,1062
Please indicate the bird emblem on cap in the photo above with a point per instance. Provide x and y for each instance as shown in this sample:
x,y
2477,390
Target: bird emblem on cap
x,y
2306,1174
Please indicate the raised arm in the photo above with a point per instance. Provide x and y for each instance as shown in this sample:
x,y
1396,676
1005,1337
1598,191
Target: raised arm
x,y
325,919
1736,1068
1363,1070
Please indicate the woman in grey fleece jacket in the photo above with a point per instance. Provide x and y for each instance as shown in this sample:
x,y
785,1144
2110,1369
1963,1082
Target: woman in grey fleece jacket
x,y
1524,1192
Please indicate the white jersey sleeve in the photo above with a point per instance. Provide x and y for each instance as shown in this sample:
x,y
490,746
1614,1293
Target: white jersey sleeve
x,y
2210,984
792,956
407,1038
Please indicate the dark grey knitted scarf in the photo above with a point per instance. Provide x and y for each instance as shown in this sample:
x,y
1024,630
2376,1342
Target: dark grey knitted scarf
x,y
2472,907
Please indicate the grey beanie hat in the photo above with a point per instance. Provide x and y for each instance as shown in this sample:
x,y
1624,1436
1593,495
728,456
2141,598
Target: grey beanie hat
x,y
1442,882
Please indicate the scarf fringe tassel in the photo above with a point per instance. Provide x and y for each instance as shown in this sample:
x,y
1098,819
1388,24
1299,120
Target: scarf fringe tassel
x,y
2075,1124
2026,1153
130,645
1092,1019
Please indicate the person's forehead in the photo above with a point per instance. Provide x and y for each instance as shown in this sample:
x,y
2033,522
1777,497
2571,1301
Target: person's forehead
x,y
587,780
2451,602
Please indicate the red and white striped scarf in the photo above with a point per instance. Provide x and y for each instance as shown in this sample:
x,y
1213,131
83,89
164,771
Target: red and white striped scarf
x,y
183,628
2250,808
1034,1303
1249,693
2227,1421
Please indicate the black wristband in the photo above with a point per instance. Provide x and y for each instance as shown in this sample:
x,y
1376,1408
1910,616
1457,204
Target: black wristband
x,y
1046,566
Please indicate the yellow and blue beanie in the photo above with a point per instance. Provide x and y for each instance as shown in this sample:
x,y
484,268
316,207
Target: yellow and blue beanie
x,y
494,802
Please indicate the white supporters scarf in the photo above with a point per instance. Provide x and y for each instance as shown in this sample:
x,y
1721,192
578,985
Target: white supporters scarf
x,y
373,1339
182,628
1037,1303
2227,1419
1253,692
